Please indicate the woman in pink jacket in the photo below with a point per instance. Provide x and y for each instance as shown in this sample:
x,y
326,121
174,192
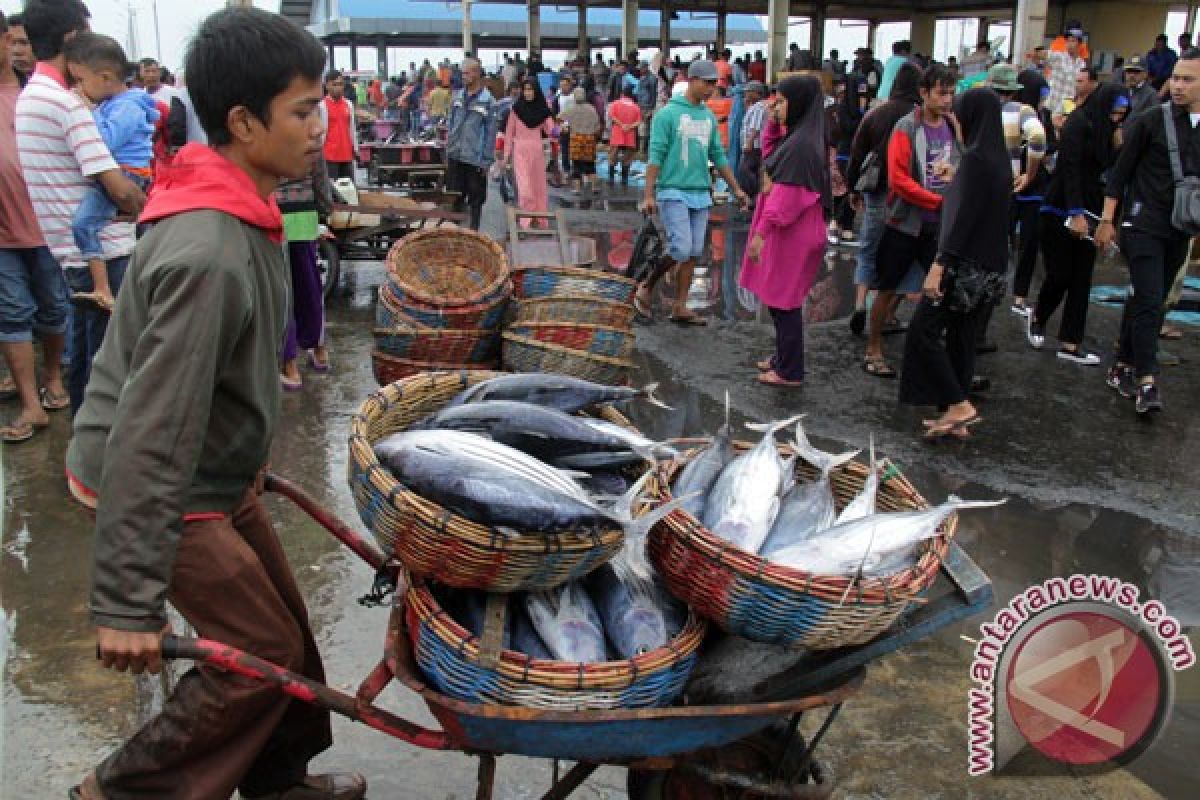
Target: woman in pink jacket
x,y
787,237
530,121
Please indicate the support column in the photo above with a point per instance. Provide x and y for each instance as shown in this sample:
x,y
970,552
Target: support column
x,y
381,65
533,33
353,52
629,27
584,44
468,42
924,28
664,31
982,34
1029,27
329,47
722,27
816,39
777,31
872,35
1190,25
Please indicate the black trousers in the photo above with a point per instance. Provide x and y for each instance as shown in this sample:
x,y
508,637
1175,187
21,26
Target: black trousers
x,y
1153,265
939,356
1069,264
471,184
1028,216
749,167
564,150
788,360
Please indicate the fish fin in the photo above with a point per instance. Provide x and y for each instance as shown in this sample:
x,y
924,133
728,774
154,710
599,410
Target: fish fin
x,y
624,508
838,460
648,392
960,504
575,474
772,427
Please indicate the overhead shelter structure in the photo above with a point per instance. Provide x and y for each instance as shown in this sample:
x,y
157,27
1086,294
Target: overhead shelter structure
x,y
578,25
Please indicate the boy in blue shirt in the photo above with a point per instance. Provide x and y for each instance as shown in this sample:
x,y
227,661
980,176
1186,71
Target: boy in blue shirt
x,y
126,119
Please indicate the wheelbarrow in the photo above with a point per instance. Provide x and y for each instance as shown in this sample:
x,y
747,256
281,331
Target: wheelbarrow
x,y
682,751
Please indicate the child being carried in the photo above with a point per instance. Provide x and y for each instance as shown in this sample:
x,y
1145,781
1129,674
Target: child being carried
x,y
126,120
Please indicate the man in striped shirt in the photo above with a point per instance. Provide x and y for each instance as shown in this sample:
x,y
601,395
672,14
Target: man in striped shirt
x,y
61,151
752,126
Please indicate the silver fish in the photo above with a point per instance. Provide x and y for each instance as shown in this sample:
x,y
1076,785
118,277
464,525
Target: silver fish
x,y
744,500
632,439
863,504
555,391
880,544
637,618
567,621
698,475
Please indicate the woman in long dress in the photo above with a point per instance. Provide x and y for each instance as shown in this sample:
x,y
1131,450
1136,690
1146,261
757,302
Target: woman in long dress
x,y
530,121
787,236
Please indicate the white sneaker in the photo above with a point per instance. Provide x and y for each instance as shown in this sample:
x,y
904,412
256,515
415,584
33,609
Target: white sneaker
x,y
1020,309
1079,357
1034,333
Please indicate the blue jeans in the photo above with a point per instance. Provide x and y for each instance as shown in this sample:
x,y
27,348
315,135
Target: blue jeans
x,y
686,228
88,327
33,294
872,232
95,212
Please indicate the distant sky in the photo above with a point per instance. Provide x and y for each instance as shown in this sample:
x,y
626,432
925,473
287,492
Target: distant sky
x,y
177,19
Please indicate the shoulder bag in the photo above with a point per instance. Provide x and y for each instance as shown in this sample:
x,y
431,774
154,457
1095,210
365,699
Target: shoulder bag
x,y
1185,210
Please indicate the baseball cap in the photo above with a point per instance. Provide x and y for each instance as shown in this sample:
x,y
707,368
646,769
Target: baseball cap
x,y
703,69
1135,64
1003,78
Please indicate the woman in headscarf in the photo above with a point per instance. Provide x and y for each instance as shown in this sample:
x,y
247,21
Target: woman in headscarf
x,y
1028,202
967,275
1074,200
528,123
787,236
585,126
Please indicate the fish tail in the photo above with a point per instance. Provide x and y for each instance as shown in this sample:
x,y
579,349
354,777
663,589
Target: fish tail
x,y
959,504
648,391
772,427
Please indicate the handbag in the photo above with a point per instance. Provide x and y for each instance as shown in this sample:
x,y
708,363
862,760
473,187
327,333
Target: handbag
x,y
1185,209
967,286
869,173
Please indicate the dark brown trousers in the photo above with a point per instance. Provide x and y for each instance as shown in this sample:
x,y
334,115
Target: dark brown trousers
x,y
219,732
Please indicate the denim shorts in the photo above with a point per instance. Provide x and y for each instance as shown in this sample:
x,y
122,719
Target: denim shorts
x,y
33,294
686,228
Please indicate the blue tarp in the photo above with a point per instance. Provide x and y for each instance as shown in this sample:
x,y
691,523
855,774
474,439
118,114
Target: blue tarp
x,y
1114,297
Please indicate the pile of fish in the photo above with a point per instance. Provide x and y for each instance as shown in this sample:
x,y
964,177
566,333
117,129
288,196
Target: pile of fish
x,y
753,501
585,622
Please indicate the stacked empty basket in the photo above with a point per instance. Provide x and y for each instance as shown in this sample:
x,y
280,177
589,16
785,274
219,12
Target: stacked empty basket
x,y
442,305
572,321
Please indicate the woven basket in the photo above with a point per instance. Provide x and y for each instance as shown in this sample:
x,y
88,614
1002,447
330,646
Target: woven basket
x,y
446,267
389,369
448,655
522,354
571,308
752,597
433,541
599,340
467,347
488,314
533,282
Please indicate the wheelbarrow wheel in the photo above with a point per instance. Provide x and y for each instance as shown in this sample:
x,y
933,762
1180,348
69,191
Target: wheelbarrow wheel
x,y
329,266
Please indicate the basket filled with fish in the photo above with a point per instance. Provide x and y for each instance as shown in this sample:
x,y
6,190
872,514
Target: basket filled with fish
x,y
789,545
446,267
600,340
458,347
394,310
523,354
547,281
495,482
586,645
574,308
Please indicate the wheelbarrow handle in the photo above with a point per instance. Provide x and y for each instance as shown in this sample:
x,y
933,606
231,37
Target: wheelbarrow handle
x,y
362,547
238,662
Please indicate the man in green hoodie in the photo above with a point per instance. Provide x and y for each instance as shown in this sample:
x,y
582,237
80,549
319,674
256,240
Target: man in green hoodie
x,y
176,426
683,139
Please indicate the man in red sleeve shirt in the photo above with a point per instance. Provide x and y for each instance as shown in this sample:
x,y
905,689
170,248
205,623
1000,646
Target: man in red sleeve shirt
x,y
921,158
341,138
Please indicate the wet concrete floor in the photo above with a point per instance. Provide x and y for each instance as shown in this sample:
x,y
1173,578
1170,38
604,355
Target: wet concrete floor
x,y
1090,488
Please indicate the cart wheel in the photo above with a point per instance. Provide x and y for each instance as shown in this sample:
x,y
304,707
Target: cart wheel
x,y
329,266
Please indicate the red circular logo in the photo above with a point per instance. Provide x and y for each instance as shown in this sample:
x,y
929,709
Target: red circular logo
x,y
1084,688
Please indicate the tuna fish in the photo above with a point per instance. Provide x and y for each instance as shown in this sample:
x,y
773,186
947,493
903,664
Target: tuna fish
x,y
881,544
744,500
863,504
807,508
555,391
490,483
524,638
470,608
698,475
567,621
638,618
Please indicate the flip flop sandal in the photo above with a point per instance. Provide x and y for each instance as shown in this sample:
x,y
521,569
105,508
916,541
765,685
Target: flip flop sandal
x,y
11,434
690,319
89,302
1170,334
766,365
879,368
8,389
778,382
936,429
317,366
54,402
